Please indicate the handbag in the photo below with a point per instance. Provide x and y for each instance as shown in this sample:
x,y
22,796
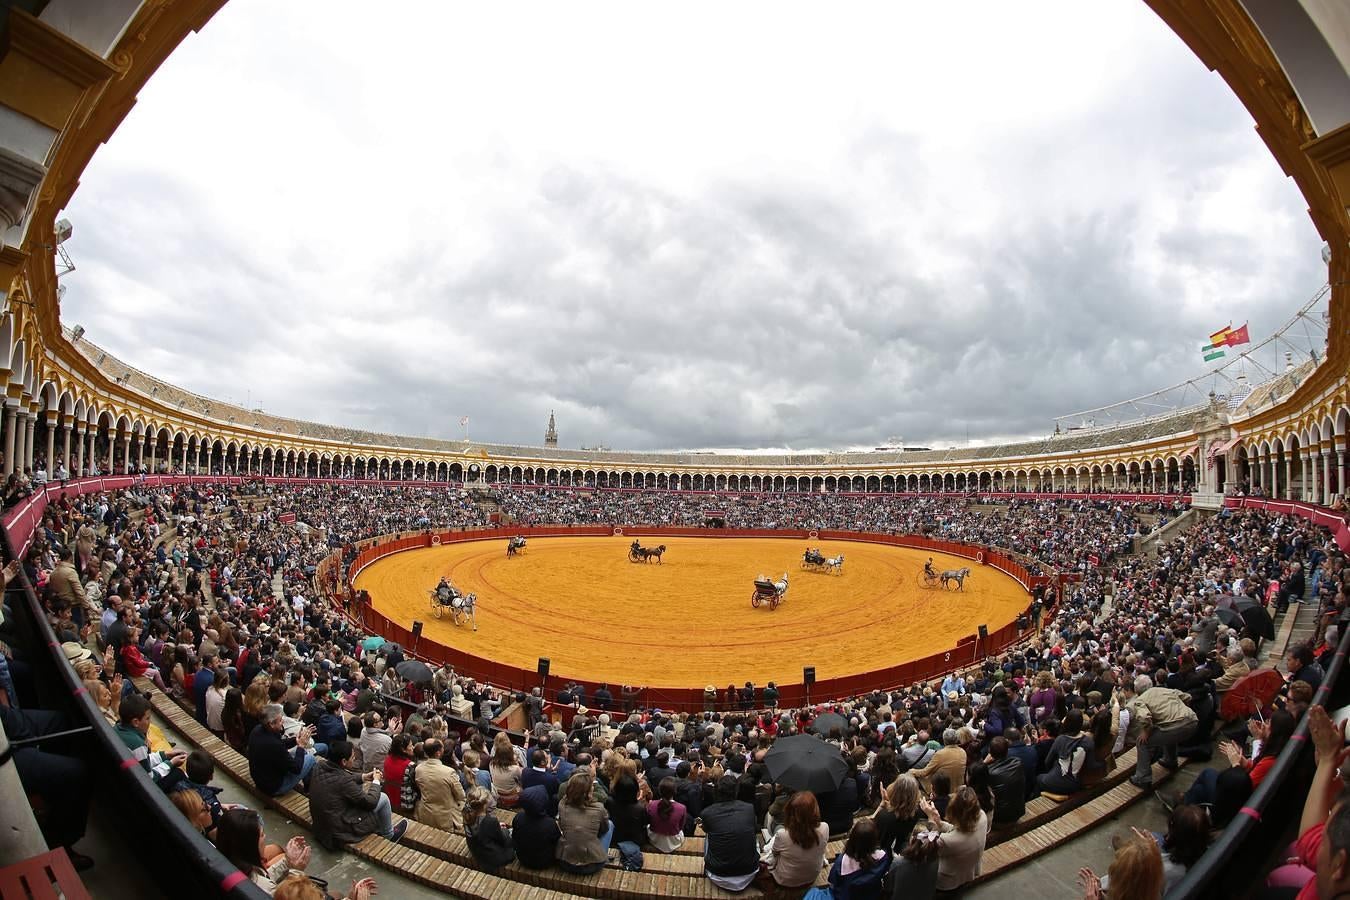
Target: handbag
x,y
630,856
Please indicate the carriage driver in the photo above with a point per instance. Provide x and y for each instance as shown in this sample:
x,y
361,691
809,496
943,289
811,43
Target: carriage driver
x,y
928,569
443,592
635,546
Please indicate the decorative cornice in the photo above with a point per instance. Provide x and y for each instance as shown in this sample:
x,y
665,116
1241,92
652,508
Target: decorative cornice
x,y
43,73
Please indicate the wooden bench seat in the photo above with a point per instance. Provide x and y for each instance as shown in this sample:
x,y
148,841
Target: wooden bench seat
x,y
1041,810
407,861
1044,838
442,860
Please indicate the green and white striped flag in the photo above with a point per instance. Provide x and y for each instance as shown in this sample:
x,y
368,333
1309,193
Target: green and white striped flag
x,y
1212,352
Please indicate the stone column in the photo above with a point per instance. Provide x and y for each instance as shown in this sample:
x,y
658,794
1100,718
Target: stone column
x,y
50,421
29,435
183,463
1324,495
11,420
79,458
23,435
65,445
153,444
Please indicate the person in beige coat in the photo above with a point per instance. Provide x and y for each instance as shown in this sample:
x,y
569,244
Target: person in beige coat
x,y
442,802
1235,666
64,581
950,759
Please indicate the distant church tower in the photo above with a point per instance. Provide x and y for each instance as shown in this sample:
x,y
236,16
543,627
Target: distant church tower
x,y
551,435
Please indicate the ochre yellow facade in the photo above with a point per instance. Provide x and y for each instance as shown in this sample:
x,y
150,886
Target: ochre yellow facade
x,y
80,90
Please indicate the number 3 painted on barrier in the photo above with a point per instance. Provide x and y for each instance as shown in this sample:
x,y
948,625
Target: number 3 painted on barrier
x,y
947,657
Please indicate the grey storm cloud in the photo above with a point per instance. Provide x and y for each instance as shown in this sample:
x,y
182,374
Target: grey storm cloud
x,y
753,310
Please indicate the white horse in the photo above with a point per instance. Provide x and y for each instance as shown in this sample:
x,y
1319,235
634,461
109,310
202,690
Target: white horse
x,y
771,591
462,608
957,575
835,565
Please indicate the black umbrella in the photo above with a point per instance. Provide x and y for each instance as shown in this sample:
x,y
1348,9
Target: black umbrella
x,y
826,722
805,763
414,670
1229,616
1257,619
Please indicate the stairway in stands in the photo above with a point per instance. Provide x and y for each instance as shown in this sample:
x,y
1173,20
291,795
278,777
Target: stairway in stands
x,y
490,507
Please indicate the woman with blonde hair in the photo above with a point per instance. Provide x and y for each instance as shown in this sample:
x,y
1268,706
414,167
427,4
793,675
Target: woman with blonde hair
x,y
193,808
505,769
299,886
962,839
489,843
255,698
1136,873
898,812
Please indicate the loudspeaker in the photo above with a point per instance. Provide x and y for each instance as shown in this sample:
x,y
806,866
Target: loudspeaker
x,y
543,667
984,632
809,674
417,629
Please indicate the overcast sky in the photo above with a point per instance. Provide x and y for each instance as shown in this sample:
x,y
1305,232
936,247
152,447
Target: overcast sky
x,y
684,225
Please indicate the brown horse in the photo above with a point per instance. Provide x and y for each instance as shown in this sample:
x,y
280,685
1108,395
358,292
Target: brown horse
x,y
650,553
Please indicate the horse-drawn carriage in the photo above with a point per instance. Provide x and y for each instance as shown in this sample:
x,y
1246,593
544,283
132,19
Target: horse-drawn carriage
x,y
515,545
446,599
639,553
946,578
815,561
770,592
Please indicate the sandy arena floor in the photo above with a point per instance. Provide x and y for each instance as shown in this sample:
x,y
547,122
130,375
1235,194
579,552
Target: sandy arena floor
x,y
688,622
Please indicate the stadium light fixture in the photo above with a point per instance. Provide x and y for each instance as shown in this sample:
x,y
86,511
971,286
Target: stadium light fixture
x,y
63,231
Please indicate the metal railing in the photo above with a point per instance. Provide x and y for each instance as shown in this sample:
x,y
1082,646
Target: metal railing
x,y
168,849
1241,853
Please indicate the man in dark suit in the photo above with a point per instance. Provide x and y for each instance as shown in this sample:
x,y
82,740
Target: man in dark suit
x,y
1021,750
659,768
541,774
1291,588
1007,782
603,698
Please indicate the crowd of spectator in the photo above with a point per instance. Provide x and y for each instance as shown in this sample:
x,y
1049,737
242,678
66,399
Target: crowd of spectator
x,y
210,592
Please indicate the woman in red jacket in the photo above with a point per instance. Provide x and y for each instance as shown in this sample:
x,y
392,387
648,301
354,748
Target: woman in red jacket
x,y
1273,734
395,767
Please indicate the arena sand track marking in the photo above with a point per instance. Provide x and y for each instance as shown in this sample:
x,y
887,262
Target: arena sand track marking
x,y
688,622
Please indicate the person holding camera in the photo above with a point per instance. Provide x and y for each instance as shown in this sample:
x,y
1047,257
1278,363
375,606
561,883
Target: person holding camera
x,y
347,806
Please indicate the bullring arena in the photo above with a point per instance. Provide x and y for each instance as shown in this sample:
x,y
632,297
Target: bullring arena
x,y
187,572
563,598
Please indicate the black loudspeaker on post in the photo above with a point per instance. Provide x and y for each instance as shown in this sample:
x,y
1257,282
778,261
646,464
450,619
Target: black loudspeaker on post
x,y
543,667
809,674
984,632
417,629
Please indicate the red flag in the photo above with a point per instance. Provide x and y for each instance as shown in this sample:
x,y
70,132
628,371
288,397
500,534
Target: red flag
x,y
1094,559
1237,336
